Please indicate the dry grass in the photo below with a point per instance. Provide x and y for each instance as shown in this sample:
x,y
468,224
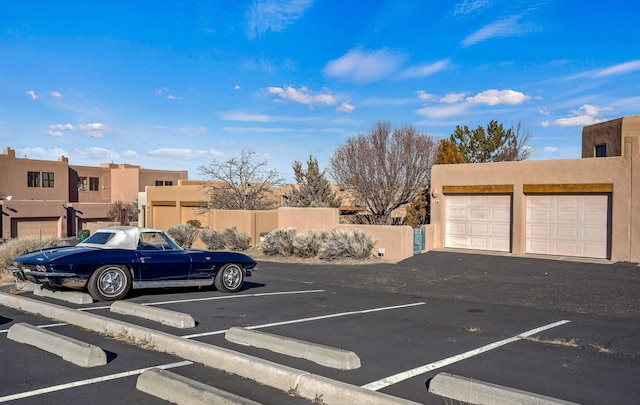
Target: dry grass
x,y
473,329
558,342
602,349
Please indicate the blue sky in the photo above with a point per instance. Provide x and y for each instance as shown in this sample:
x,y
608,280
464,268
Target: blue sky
x,y
176,84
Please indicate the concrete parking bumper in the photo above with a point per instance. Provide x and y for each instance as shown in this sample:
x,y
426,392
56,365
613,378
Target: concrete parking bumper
x,y
467,390
71,350
263,371
74,297
324,355
177,389
163,316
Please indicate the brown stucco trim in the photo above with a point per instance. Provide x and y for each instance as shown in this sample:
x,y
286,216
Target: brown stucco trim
x,y
194,204
163,203
567,188
479,189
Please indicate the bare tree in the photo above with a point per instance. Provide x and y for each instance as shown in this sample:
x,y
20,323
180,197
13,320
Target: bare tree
x,y
240,183
122,212
385,168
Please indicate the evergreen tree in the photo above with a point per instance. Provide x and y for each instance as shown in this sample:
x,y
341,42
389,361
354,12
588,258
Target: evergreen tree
x,y
312,188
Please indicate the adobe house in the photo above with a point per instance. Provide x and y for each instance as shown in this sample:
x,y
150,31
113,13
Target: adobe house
x,y
53,198
588,207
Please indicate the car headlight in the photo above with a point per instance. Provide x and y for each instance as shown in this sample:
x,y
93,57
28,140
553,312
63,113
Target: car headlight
x,y
40,267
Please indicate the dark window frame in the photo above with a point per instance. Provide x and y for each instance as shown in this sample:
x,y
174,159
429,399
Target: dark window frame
x,y
601,150
48,179
83,184
33,179
94,184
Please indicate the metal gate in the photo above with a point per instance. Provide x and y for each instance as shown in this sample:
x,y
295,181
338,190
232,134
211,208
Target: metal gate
x,y
418,240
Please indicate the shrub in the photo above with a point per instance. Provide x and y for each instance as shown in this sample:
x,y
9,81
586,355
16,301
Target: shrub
x,y
195,222
279,241
345,244
308,244
16,247
183,234
212,239
235,240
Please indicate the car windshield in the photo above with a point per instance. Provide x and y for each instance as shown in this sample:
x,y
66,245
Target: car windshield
x,y
100,238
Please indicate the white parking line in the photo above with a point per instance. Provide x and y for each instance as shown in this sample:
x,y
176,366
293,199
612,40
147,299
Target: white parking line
x,y
223,297
51,325
315,318
385,382
74,384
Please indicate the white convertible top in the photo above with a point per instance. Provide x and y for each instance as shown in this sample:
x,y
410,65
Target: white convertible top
x,y
117,237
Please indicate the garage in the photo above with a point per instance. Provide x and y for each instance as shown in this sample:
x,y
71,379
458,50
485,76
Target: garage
x,y
568,225
22,227
481,222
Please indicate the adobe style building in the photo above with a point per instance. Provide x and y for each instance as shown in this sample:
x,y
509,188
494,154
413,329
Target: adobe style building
x,y
587,207
53,198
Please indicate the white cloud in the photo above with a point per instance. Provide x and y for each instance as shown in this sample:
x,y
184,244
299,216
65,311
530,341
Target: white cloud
x,y
32,94
94,130
443,111
422,95
453,98
184,153
273,15
198,130
261,130
237,87
41,153
470,6
496,97
130,154
55,133
346,107
364,67
248,117
302,96
425,70
502,28
545,124
96,154
160,90
619,69
585,115
56,94
550,149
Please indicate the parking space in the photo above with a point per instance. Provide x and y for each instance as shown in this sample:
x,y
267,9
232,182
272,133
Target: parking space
x,y
403,340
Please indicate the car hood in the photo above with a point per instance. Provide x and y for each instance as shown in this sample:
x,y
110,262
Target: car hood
x,y
52,254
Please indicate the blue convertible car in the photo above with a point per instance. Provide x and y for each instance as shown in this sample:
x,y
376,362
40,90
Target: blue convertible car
x,y
114,260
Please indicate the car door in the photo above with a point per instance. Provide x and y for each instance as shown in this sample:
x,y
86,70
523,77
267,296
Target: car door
x,y
161,260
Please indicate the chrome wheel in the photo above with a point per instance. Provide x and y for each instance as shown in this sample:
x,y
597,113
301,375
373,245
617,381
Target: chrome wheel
x,y
109,283
229,278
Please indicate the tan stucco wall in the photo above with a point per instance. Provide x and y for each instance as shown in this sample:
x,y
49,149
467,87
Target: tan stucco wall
x,y
614,170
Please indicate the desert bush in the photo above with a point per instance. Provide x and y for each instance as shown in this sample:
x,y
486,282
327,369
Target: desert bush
x,y
195,222
16,247
308,244
279,241
346,244
235,240
183,234
212,239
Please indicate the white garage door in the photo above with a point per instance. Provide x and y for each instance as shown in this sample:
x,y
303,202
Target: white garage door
x,y
568,225
479,222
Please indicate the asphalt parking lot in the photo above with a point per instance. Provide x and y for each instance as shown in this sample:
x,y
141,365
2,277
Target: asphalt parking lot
x,y
452,312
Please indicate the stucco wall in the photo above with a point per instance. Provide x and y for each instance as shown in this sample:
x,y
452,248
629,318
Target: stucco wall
x,y
614,170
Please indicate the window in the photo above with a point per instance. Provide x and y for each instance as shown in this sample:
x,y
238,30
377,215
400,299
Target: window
x,y
601,150
47,179
82,184
159,182
33,179
164,183
94,184
168,183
